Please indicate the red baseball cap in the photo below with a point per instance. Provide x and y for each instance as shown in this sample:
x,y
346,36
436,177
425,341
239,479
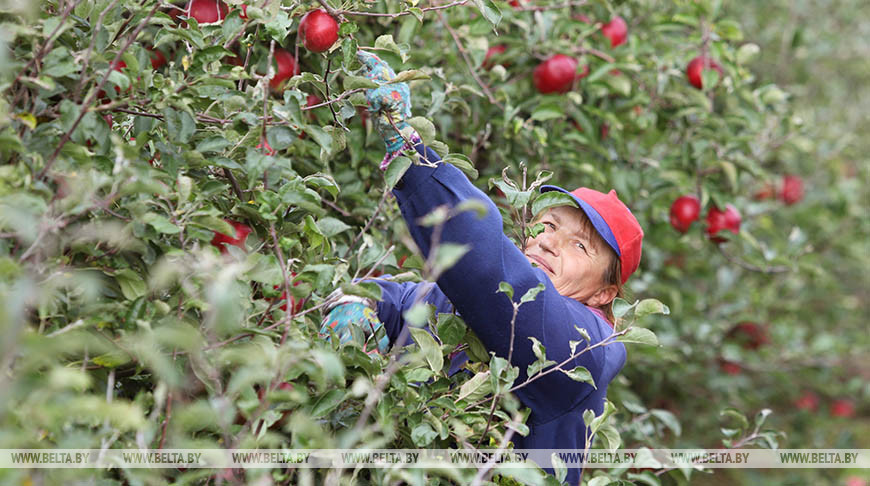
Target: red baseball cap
x,y
613,221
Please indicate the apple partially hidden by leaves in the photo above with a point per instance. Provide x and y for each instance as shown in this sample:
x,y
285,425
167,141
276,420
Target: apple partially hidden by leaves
x,y
318,30
207,11
808,401
295,305
220,240
492,51
684,211
158,60
287,67
696,67
616,30
118,66
719,220
750,335
730,367
792,190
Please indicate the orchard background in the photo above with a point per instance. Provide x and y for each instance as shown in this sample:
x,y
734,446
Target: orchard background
x,y
132,136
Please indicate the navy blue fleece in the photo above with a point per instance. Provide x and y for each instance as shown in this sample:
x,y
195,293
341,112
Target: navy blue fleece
x,y
470,288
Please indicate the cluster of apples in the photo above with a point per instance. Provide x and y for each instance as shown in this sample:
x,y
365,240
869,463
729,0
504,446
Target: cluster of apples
x,y
790,190
840,407
687,209
317,29
221,240
559,72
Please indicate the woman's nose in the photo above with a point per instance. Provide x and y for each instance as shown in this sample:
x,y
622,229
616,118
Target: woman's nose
x,y
549,244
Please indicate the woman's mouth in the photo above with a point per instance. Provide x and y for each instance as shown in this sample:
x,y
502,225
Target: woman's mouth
x,y
541,263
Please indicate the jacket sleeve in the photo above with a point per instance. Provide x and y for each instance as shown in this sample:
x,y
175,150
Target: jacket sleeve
x,y
472,284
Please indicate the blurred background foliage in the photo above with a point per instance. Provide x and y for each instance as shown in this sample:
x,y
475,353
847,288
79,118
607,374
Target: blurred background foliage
x,y
123,325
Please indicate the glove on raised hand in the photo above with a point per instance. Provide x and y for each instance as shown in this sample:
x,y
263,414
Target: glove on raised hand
x,y
389,100
351,312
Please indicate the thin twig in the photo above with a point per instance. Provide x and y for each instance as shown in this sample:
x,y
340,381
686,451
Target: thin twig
x,y
368,223
330,102
90,99
471,69
398,14
749,266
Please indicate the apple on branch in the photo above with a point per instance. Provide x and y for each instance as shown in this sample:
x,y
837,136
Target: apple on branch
x,y
318,30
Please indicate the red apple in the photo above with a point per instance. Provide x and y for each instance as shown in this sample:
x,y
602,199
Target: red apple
x,y
117,67
809,401
556,74
318,30
207,11
792,190
220,240
685,211
287,68
294,304
843,407
244,13
616,30
514,3
729,367
750,334
855,481
697,66
492,51
718,220
767,191
158,60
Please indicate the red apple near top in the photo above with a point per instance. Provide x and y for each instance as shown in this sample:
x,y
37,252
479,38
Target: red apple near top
x,y
792,190
809,401
318,30
696,67
287,67
843,407
616,30
719,220
750,335
492,51
207,11
556,74
685,211
220,240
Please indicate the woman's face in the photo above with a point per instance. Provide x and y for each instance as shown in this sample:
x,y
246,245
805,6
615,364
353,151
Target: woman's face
x,y
574,257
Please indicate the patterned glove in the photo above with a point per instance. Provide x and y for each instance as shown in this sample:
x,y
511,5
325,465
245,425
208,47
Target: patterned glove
x,y
349,311
390,100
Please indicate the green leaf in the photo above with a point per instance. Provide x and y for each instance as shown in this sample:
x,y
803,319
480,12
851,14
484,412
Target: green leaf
x,y
548,111
418,314
353,82
423,434
327,402
447,255
621,307
160,223
559,468
650,306
131,283
330,226
212,144
507,289
552,199
386,42
639,335
451,329
424,127
179,125
462,163
669,419
396,170
430,348
369,290
532,293
489,10
580,374
409,75
476,388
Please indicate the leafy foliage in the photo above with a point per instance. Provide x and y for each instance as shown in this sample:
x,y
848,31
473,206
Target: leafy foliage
x,y
123,326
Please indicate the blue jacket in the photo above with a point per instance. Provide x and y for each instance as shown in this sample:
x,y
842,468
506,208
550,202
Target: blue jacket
x,y
470,288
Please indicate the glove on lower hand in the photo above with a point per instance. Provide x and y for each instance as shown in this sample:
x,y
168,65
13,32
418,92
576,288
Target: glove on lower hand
x,y
345,315
387,101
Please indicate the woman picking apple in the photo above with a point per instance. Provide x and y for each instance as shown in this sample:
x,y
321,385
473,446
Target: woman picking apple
x,y
582,258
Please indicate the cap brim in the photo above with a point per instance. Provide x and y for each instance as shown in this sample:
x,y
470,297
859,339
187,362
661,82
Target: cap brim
x,y
594,217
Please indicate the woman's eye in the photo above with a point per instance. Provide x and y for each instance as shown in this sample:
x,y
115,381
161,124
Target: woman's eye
x,y
550,225
580,246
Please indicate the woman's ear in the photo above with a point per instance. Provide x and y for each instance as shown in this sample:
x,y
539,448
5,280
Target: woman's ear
x,y
603,296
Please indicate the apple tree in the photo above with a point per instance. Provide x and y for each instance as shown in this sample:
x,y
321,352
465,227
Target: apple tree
x,y
182,186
